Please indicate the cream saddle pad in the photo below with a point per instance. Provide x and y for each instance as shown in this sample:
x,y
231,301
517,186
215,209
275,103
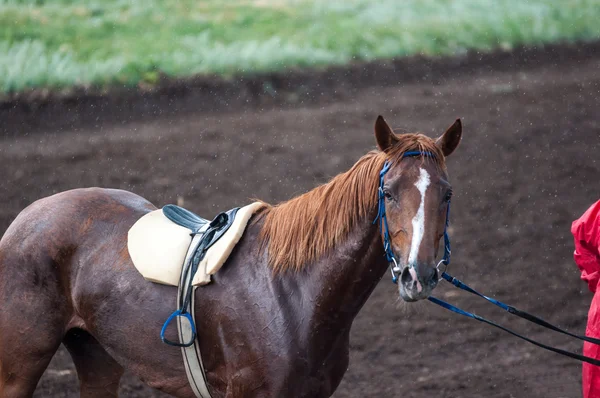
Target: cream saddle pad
x,y
158,247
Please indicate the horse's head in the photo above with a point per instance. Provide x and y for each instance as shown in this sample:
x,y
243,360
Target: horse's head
x,y
416,193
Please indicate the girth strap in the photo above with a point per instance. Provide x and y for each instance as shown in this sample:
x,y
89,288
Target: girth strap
x,y
192,358
204,235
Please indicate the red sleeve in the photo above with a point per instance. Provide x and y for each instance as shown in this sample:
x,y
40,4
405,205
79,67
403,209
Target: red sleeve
x,y
586,233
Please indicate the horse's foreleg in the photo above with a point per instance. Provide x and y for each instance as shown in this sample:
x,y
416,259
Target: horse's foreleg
x,y
99,374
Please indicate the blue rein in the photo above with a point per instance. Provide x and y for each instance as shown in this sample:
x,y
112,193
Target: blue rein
x,y
395,269
521,314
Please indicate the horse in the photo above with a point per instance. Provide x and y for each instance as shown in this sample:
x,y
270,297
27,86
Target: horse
x,y
276,319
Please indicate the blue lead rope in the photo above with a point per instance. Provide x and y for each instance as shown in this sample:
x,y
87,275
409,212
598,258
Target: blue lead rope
x,y
510,309
573,355
459,284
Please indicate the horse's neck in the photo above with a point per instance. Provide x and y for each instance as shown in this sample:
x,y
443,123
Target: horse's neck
x,y
307,314
342,280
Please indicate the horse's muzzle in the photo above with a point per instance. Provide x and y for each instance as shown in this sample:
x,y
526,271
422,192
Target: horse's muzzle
x,y
417,283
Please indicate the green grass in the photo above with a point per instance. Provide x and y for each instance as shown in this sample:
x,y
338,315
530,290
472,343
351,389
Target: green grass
x,y
61,43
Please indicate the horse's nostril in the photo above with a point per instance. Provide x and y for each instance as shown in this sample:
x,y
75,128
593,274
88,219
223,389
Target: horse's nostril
x,y
406,278
429,277
413,281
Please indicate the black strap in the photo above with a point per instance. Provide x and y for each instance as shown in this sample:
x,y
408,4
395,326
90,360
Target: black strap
x,y
208,238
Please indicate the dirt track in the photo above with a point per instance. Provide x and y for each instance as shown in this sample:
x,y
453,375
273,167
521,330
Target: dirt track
x,y
527,167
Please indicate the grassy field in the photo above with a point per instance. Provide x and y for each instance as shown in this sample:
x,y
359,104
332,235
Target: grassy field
x,y
61,43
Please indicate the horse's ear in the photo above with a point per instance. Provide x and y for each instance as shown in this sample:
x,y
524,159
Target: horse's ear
x,y
384,135
451,138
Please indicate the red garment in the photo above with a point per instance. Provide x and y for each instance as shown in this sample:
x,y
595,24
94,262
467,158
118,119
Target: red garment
x,y
586,232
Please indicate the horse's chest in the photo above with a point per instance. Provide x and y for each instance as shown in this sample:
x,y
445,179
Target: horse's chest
x,y
313,373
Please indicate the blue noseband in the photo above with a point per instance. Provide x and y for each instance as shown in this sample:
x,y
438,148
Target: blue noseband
x,y
381,217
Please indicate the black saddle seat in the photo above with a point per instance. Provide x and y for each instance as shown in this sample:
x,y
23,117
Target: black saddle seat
x,y
217,227
184,217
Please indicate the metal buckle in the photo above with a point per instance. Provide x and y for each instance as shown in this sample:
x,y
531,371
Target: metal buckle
x,y
395,270
440,272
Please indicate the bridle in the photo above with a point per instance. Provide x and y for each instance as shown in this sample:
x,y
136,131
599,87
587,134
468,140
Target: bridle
x,y
382,218
445,261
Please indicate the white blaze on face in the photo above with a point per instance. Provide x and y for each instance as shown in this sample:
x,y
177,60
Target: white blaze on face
x,y
418,222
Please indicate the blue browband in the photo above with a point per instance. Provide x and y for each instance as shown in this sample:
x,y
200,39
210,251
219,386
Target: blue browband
x,y
381,216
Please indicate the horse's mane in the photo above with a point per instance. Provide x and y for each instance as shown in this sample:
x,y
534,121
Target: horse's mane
x,y
299,231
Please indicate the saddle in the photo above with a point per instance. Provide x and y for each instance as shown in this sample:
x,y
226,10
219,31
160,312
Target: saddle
x,y
210,232
158,241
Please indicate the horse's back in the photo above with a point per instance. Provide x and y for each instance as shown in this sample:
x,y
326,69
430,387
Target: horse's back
x,y
45,235
69,208
84,201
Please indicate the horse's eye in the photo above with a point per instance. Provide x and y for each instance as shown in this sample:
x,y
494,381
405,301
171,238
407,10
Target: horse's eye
x,y
388,195
448,196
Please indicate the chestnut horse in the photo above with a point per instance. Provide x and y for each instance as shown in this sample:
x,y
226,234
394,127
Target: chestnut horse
x,y
275,321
